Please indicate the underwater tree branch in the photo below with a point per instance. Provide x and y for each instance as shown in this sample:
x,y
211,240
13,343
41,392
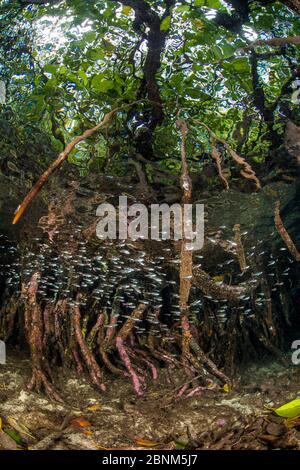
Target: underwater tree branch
x,y
205,284
284,234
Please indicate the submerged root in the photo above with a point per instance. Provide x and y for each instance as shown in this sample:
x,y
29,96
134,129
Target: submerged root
x,y
108,345
34,333
136,380
193,355
204,282
91,363
39,382
148,363
284,234
202,357
125,355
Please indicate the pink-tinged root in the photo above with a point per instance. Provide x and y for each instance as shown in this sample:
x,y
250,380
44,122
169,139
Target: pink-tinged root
x,y
182,390
196,391
149,363
125,358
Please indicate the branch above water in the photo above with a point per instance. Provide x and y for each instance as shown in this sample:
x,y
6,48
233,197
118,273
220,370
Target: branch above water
x,y
61,158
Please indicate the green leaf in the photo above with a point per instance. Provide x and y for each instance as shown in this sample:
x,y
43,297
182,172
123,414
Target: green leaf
x,y
217,52
126,10
214,4
14,435
101,84
108,46
181,445
289,410
165,24
83,76
63,70
182,8
240,65
89,36
195,93
51,84
49,68
95,54
246,84
74,79
227,50
265,22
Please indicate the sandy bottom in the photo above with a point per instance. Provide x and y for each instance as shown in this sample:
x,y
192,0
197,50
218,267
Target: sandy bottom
x,y
118,419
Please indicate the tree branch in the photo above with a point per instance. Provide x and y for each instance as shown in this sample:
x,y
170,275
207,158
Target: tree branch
x,y
38,2
247,171
60,159
284,234
148,17
271,42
